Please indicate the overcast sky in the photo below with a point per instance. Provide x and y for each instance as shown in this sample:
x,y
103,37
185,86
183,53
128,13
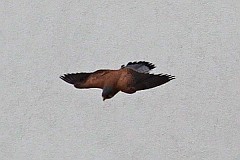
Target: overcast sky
x,y
194,117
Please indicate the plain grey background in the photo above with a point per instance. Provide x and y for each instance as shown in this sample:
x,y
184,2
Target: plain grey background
x,y
194,117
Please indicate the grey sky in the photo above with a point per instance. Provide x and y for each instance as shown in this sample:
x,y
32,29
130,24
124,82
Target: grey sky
x,y
194,117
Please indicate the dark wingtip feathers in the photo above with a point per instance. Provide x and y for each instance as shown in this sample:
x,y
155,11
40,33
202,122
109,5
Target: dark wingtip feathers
x,y
167,77
73,78
67,78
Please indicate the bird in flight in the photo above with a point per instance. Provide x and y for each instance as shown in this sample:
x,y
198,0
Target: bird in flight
x,y
133,77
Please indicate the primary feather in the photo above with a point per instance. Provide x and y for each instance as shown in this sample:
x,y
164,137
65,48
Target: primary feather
x,y
144,81
73,78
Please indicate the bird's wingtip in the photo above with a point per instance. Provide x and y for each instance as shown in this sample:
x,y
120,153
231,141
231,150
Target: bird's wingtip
x,y
170,77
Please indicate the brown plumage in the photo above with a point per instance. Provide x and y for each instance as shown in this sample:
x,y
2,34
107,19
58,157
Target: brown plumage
x,y
128,79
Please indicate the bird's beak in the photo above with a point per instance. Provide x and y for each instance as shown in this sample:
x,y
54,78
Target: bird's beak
x,y
104,99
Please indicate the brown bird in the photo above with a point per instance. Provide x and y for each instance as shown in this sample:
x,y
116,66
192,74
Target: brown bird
x,y
128,79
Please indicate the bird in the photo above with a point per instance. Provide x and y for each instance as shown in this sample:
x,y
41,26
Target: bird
x,y
128,78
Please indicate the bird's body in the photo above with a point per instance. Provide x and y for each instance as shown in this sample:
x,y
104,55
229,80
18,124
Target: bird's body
x,y
128,79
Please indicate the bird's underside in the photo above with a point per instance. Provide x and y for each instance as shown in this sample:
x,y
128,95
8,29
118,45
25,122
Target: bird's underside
x,y
133,77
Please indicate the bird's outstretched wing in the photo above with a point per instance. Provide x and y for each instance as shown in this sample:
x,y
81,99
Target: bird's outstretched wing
x,y
141,66
86,80
143,81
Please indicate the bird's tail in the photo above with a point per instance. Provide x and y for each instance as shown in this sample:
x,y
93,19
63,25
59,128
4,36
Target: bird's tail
x,y
74,78
140,66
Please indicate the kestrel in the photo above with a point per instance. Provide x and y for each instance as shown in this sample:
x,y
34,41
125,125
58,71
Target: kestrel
x,y
133,77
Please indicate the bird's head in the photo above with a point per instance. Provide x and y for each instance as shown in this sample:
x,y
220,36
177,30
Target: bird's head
x,y
107,93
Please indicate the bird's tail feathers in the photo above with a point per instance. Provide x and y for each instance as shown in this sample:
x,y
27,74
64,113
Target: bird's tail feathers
x,y
140,66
